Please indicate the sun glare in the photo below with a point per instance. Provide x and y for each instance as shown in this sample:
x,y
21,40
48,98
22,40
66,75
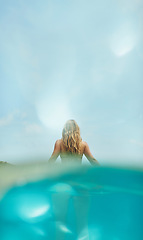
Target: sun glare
x,y
123,41
53,112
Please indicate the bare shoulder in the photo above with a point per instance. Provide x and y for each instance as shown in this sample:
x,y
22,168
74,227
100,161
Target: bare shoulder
x,y
58,144
59,141
84,144
86,149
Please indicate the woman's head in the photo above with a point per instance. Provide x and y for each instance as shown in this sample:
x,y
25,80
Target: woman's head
x,y
71,137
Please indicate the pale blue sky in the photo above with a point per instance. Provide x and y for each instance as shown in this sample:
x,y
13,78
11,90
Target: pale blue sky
x,y
71,59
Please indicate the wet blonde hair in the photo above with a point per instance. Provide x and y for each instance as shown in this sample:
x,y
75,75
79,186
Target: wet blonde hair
x,y
71,137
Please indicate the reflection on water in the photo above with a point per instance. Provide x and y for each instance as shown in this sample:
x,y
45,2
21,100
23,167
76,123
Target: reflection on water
x,y
72,202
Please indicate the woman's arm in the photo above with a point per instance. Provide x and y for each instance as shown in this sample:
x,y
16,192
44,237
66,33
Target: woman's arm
x,y
56,152
89,156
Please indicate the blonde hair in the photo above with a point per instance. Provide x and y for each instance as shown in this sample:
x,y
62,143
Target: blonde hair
x,y
71,137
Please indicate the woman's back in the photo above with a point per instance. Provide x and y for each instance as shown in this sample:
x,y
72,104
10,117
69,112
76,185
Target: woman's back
x,y
71,147
66,155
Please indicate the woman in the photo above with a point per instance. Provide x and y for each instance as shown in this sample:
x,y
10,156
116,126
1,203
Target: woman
x,y
71,147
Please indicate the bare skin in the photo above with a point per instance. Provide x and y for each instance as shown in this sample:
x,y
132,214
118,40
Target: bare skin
x,y
59,149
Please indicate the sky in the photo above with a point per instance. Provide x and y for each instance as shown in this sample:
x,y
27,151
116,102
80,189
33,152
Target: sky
x,y
71,59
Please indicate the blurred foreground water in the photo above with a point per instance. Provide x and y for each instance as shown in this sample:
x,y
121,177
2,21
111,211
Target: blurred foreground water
x,y
40,201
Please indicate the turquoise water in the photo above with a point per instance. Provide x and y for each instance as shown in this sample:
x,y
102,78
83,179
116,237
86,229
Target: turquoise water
x,y
77,203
